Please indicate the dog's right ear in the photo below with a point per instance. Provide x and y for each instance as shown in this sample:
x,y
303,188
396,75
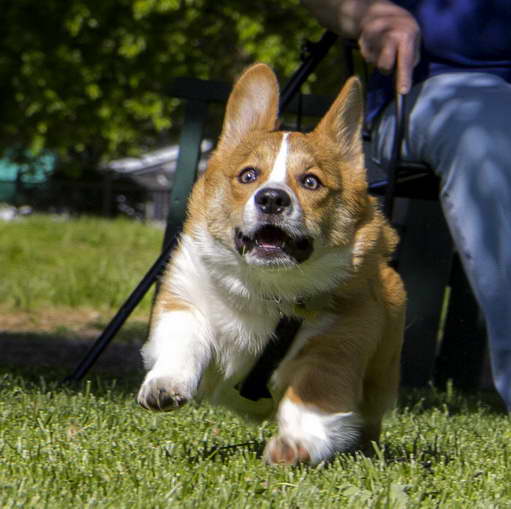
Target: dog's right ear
x,y
252,105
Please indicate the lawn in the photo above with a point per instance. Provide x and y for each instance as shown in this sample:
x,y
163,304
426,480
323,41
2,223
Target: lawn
x,y
83,263
92,446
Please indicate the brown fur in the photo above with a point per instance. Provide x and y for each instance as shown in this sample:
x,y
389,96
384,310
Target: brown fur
x,y
354,365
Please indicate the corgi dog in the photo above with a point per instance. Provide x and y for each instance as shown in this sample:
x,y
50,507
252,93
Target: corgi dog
x,y
281,224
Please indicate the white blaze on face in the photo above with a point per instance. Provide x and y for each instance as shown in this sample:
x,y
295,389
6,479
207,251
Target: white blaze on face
x,y
276,179
279,170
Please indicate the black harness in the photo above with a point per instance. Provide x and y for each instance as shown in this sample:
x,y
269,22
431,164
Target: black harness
x,y
255,385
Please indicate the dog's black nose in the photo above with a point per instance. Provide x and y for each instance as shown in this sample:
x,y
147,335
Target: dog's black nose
x,y
272,201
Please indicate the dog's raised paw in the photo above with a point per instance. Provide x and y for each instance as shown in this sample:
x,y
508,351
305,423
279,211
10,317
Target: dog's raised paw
x,y
285,451
161,394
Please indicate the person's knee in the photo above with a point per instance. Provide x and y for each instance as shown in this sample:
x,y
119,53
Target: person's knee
x,y
449,114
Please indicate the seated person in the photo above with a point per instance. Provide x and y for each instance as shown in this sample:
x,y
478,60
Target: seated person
x,y
454,61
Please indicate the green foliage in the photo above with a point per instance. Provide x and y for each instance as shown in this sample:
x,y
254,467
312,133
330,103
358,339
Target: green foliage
x,y
87,79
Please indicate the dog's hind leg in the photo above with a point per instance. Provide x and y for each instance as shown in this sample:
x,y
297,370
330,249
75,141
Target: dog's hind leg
x,y
308,434
380,396
381,382
319,414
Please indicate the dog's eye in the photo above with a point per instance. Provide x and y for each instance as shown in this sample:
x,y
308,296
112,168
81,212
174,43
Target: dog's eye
x,y
310,181
248,175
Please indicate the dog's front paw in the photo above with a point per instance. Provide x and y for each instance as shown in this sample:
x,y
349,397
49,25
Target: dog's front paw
x,y
286,451
161,393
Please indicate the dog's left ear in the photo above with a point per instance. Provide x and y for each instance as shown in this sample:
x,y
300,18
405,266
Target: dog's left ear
x,y
252,105
343,121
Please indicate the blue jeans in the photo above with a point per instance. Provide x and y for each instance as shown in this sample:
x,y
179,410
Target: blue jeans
x,y
460,124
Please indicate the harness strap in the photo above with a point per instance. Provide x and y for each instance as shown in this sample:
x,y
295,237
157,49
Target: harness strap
x,y
255,385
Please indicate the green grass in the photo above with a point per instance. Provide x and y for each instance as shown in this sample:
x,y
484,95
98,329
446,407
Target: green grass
x,y
92,446
86,262
96,448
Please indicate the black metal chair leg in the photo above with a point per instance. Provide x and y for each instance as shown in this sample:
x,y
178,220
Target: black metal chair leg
x,y
122,315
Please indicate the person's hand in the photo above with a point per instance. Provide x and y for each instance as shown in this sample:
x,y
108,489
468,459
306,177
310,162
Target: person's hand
x,y
390,39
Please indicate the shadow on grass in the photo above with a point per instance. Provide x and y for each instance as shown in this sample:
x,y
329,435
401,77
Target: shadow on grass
x,y
428,455
222,453
451,400
52,356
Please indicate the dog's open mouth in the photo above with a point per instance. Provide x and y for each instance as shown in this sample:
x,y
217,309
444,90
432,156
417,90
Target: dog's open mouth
x,y
272,243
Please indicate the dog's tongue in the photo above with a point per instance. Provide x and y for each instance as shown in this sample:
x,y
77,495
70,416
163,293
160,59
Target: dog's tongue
x,y
271,242
269,237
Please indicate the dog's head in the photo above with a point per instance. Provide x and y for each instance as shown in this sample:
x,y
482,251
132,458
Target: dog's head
x,y
280,199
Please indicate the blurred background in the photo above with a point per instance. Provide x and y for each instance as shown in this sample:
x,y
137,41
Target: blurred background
x,y
89,124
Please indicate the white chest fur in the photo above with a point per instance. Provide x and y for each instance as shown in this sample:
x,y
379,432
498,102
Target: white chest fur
x,y
231,315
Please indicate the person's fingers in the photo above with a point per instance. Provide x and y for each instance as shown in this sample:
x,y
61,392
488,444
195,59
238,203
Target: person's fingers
x,y
382,56
386,60
366,51
407,59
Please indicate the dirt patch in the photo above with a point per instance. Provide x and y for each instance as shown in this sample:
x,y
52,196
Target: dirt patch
x,y
48,319
83,322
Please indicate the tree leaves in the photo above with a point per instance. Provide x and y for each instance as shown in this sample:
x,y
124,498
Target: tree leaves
x,y
88,79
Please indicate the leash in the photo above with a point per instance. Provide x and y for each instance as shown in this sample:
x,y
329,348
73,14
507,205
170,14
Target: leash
x,y
255,385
